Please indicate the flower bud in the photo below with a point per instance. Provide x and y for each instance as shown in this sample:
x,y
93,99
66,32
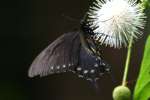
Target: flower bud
x,y
121,93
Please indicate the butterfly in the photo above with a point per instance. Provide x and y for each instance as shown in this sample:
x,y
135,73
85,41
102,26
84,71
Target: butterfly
x,y
73,52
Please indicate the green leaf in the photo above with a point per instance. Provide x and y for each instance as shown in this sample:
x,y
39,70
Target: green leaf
x,y
142,89
145,3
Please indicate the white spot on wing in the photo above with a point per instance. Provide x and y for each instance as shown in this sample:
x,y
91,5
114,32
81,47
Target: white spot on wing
x,y
92,71
79,69
58,67
81,76
89,79
85,71
107,69
64,66
69,65
52,68
96,65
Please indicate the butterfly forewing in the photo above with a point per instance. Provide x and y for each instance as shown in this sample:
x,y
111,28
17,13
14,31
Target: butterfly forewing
x,y
58,57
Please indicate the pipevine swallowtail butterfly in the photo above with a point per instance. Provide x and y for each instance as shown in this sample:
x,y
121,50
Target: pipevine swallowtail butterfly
x,y
76,52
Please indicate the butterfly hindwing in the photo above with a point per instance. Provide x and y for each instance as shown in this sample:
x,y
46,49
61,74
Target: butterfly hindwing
x,y
91,66
58,57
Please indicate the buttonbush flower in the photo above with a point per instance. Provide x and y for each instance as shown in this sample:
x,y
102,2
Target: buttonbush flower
x,y
115,21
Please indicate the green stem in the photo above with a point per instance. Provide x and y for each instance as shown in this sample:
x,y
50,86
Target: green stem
x,y
127,62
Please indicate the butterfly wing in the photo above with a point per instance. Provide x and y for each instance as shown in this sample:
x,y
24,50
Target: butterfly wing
x,y
58,57
91,66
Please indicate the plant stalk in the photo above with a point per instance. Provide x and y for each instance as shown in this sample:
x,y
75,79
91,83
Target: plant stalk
x,y
124,80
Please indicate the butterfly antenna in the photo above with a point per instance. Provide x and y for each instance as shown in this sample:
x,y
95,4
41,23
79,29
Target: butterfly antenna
x,y
69,18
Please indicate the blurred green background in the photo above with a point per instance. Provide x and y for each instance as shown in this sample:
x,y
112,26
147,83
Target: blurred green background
x,y
27,27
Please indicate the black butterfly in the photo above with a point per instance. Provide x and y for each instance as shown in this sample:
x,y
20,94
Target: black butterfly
x,y
75,52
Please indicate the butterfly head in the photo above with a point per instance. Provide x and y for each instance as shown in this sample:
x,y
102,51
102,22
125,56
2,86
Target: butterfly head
x,y
85,27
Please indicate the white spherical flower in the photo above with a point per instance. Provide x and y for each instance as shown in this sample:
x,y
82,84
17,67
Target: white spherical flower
x,y
115,21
